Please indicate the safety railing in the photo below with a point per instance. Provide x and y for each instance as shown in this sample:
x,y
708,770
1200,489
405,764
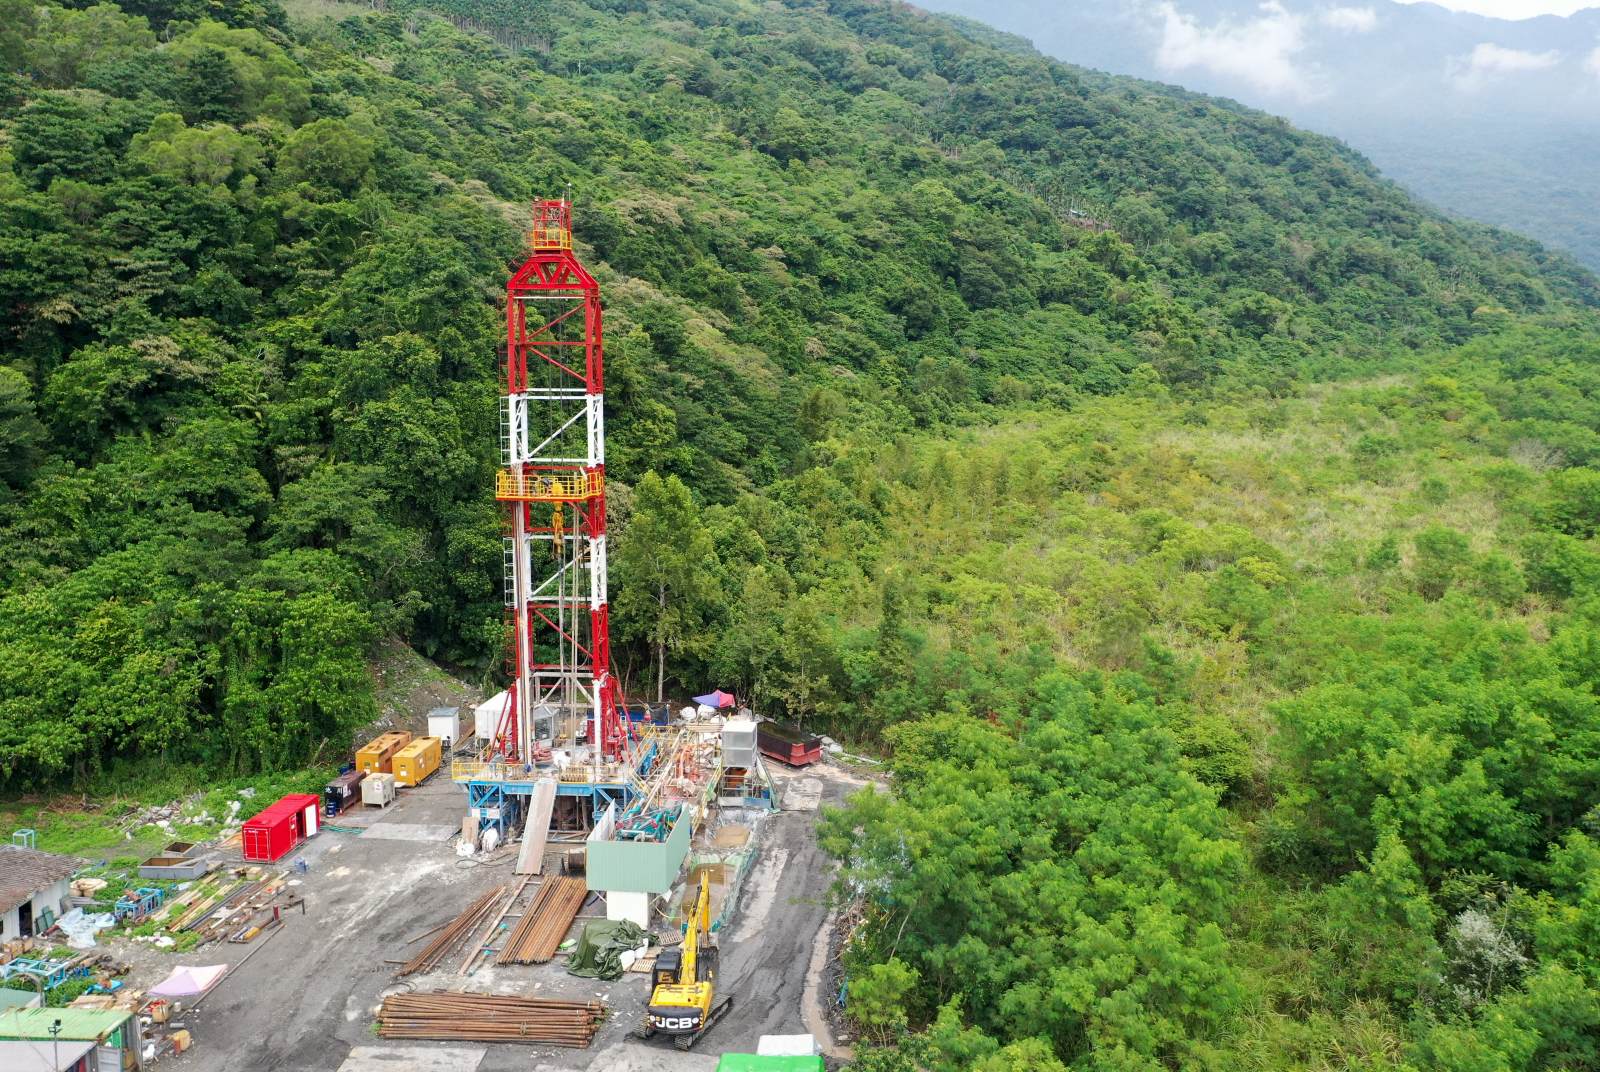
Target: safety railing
x,y
552,225
511,485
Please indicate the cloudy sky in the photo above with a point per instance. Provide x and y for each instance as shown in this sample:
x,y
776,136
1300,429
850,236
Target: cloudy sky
x,y
1293,55
1514,9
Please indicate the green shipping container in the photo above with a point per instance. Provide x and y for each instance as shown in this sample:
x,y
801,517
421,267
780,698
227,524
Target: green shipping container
x,y
749,1062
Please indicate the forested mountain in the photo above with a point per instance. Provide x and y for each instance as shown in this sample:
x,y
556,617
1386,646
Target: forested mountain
x,y
1495,118
1204,528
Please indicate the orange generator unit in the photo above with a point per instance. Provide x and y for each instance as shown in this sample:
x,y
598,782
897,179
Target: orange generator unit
x,y
417,760
378,755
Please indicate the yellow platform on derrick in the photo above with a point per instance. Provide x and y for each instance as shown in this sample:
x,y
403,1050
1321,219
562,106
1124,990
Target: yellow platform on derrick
x,y
511,485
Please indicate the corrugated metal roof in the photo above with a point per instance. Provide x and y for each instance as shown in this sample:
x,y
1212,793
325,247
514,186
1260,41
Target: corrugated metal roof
x,y
24,872
17,999
43,1056
287,805
86,1024
749,1062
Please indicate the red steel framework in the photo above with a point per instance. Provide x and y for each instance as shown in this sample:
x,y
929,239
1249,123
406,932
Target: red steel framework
x,y
553,484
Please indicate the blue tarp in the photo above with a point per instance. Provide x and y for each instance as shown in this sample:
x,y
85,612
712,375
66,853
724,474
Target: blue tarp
x,y
718,699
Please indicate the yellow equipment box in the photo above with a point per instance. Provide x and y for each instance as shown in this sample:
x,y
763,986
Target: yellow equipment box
x,y
417,760
378,755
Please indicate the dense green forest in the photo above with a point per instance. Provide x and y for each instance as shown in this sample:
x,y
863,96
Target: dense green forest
x,y
1203,529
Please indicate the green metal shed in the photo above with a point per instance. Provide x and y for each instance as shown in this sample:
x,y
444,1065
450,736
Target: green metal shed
x,y
639,866
111,1029
749,1062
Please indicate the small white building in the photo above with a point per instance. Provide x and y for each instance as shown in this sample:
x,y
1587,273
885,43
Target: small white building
x,y
445,724
33,885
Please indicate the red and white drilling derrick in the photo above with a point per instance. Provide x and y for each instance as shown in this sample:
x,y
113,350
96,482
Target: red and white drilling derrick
x,y
552,480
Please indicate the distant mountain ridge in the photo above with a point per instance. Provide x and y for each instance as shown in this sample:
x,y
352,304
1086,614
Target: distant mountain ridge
x,y
1496,119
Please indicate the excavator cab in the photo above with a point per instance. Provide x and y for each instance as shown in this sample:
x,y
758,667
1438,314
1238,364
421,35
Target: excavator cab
x,y
665,973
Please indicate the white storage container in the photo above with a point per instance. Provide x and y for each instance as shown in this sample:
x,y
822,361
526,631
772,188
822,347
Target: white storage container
x,y
486,716
445,724
739,743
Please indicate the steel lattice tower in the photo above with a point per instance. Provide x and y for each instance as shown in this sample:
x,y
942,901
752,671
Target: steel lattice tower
x,y
552,433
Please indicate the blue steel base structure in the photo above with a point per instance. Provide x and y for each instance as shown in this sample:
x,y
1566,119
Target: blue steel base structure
x,y
502,804
506,800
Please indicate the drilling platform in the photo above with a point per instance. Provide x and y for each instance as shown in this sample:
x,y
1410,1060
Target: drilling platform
x,y
557,756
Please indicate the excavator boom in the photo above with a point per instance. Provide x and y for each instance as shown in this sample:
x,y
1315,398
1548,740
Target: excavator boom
x,y
700,920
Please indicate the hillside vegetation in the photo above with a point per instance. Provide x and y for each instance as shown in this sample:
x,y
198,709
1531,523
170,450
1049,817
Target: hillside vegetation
x,y
1220,574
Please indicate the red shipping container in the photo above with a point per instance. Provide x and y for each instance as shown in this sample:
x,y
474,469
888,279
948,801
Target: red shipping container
x,y
787,744
274,832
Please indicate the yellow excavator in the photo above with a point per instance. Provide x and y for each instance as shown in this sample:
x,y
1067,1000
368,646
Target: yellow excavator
x,y
683,1001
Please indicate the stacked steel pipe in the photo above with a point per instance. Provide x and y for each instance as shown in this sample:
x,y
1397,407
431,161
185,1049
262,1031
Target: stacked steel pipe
x,y
464,924
544,923
489,1018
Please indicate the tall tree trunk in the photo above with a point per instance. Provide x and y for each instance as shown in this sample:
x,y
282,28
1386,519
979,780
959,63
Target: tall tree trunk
x,y
661,645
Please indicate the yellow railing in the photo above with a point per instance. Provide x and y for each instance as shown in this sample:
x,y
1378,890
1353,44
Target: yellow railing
x,y
550,236
552,225
511,485
466,770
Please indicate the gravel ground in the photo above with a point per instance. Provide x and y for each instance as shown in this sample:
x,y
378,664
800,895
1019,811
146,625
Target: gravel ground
x,y
305,1002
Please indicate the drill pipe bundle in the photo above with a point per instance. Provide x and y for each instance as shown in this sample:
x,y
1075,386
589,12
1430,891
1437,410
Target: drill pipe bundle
x,y
466,1017
545,922
463,924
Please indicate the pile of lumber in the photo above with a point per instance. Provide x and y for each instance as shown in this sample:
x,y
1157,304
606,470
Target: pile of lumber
x,y
236,915
452,933
489,1018
545,922
221,892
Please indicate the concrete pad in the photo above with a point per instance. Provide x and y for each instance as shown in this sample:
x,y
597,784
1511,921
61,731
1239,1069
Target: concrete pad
x,y
763,884
802,795
644,1057
412,1059
408,832
358,817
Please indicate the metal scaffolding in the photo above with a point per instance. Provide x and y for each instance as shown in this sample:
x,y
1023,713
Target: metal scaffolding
x,y
552,483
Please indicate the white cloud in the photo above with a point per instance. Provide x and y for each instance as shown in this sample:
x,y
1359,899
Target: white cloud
x,y
1260,51
1349,19
1592,64
1488,62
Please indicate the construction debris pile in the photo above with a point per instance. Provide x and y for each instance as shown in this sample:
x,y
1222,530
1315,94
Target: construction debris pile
x,y
489,1018
238,906
544,923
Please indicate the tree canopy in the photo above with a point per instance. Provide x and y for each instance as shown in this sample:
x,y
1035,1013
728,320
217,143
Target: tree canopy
x,y
1203,528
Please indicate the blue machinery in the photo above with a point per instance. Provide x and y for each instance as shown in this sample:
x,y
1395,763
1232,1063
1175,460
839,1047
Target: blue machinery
x,y
46,974
498,795
135,904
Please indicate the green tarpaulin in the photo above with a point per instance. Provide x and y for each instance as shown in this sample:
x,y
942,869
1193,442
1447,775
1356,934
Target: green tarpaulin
x,y
600,948
749,1062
